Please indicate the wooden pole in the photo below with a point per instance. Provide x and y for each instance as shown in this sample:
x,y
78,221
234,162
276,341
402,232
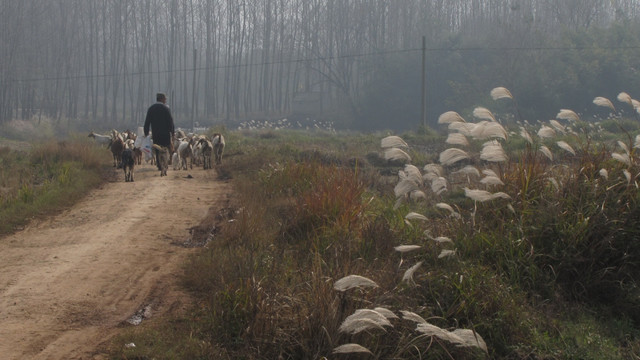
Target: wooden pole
x,y
193,103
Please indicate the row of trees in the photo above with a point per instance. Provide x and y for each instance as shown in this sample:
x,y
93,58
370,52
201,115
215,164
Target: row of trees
x,y
357,61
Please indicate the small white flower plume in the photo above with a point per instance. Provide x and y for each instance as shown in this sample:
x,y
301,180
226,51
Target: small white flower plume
x,y
463,128
525,135
483,114
546,152
353,281
558,127
411,316
500,93
446,253
624,97
563,145
566,114
439,185
415,216
491,181
350,348
386,313
623,158
443,240
483,195
364,319
457,139
452,155
602,101
624,147
546,132
604,173
450,117
493,152
393,141
396,154
468,170
627,175
408,275
488,130
448,207
406,248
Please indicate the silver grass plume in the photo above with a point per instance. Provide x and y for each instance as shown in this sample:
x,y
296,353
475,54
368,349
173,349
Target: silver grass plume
x,y
351,348
408,275
624,147
433,168
491,181
468,170
448,207
554,182
546,152
396,154
604,173
353,281
488,130
452,155
625,98
546,132
364,319
412,173
404,187
411,316
525,135
500,93
483,114
483,195
406,248
563,145
602,101
446,253
471,338
636,142
623,158
439,185
393,141
635,103
450,117
386,313
627,175
417,195
442,240
457,139
463,128
557,126
493,152
566,114
415,216
489,172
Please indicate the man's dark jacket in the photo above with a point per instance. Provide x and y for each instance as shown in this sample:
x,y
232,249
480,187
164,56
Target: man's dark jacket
x,y
161,122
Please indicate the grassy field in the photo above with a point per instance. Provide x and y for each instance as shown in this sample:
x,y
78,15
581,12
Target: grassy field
x,y
38,180
340,248
521,243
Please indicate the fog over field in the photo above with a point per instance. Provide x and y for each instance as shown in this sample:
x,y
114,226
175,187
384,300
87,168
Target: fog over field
x,y
358,64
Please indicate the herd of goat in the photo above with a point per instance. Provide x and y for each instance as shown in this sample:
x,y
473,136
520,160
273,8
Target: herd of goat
x,y
189,150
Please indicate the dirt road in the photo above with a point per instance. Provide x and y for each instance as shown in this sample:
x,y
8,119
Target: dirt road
x,y
69,282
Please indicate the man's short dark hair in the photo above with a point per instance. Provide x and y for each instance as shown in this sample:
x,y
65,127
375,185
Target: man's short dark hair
x,y
160,96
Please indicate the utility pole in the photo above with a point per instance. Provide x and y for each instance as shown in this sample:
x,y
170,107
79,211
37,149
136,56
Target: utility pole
x,y
424,83
194,95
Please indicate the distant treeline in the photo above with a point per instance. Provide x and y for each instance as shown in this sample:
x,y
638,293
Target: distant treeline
x,y
357,63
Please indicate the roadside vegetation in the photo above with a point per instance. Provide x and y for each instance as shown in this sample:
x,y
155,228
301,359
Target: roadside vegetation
x,y
41,179
522,243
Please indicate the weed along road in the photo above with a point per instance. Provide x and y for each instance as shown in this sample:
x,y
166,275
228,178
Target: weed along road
x,y
69,282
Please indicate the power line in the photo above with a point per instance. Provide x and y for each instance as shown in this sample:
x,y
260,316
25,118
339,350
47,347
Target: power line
x,y
327,58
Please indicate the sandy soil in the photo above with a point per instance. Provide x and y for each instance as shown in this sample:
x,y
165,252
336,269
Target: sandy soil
x,y
68,283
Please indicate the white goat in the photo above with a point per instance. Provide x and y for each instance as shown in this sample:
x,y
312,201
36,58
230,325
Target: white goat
x,y
218,147
101,139
207,149
185,152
